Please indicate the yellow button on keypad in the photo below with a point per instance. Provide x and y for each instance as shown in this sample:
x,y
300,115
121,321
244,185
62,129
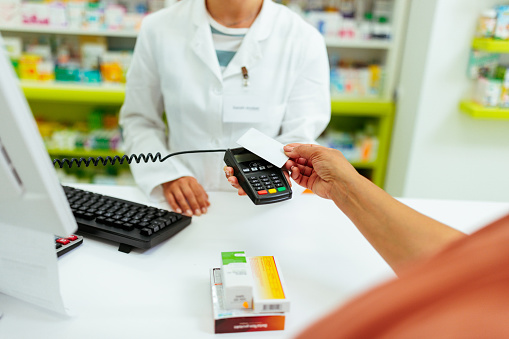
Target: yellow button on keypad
x,y
272,190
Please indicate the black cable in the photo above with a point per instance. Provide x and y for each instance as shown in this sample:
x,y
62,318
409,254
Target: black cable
x,y
125,158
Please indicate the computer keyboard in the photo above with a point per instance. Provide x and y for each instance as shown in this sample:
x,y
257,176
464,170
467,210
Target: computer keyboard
x,y
129,223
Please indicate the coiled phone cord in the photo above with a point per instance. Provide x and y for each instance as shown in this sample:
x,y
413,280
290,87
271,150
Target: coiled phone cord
x,y
125,158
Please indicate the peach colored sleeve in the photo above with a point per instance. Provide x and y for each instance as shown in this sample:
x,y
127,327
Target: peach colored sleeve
x,y
462,292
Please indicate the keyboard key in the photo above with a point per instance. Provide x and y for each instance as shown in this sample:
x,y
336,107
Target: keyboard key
x,y
146,231
63,241
128,227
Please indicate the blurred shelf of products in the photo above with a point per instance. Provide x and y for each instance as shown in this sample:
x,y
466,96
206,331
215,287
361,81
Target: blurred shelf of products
x,y
352,79
359,146
98,136
488,66
81,59
360,20
99,132
78,16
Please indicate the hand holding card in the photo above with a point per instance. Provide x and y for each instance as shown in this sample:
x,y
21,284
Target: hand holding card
x,y
255,170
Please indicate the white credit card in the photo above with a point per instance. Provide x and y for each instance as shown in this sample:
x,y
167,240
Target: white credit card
x,y
263,146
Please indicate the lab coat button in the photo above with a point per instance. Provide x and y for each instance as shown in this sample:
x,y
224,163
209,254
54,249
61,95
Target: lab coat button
x,y
218,91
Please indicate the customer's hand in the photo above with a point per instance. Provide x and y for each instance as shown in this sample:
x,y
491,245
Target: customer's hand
x,y
318,168
185,195
228,171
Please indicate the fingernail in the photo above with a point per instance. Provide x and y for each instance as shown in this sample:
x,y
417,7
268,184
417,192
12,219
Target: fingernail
x,y
197,211
288,148
204,210
178,210
189,212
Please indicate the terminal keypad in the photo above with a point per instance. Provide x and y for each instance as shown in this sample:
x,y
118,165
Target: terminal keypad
x,y
266,183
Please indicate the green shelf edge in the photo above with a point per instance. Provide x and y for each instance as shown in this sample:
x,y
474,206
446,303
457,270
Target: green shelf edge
x,y
364,165
491,45
74,93
480,112
82,153
369,108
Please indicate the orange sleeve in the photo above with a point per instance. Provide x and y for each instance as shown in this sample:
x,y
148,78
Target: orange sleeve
x,y
462,292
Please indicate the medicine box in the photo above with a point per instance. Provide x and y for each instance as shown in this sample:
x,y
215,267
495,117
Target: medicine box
x,y
239,320
237,280
269,290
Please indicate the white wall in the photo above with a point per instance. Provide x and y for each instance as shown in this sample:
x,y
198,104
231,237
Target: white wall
x,y
437,151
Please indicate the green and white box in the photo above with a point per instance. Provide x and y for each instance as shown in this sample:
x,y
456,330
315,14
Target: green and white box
x,y
237,280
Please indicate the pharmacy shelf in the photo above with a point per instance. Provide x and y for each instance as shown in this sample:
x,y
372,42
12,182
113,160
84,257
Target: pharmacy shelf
x,y
480,112
68,31
45,29
105,94
491,45
362,108
357,43
380,110
82,153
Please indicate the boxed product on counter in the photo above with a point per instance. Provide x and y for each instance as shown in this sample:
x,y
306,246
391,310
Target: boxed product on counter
x,y
239,320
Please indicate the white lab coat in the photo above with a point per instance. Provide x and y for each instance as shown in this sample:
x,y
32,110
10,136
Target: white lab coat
x,y
175,70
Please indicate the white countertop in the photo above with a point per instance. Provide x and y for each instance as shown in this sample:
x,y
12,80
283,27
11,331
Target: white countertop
x,y
164,292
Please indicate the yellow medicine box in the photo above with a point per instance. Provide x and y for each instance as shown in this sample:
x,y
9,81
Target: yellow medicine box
x,y
269,290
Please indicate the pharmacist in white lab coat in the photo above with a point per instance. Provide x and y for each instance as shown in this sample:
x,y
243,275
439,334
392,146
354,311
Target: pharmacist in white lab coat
x,y
209,64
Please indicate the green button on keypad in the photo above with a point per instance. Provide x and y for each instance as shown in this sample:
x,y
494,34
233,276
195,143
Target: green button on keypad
x,y
281,189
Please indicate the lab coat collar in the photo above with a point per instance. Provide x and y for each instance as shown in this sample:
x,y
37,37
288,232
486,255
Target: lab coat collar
x,y
249,53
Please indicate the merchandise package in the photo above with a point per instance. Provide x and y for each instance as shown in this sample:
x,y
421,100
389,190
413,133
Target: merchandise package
x,y
239,320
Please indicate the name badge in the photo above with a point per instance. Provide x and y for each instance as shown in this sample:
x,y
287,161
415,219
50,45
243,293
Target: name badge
x,y
243,106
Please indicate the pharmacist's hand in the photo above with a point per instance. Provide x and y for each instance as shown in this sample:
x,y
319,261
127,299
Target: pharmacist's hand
x,y
228,171
185,195
318,168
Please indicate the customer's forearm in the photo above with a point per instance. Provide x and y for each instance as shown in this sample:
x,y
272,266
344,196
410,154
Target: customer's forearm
x,y
399,233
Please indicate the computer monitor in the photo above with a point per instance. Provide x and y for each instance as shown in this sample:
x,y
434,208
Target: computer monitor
x,y
33,206
30,193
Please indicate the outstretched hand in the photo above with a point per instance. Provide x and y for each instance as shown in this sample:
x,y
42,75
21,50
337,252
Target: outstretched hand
x,y
317,168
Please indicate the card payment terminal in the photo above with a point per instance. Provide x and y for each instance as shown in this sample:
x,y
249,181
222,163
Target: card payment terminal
x,y
263,182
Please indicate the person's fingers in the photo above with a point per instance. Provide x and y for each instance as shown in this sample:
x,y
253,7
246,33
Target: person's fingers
x,y
201,197
287,175
306,170
289,164
301,151
228,171
293,145
235,183
172,202
298,177
182,201
190,195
